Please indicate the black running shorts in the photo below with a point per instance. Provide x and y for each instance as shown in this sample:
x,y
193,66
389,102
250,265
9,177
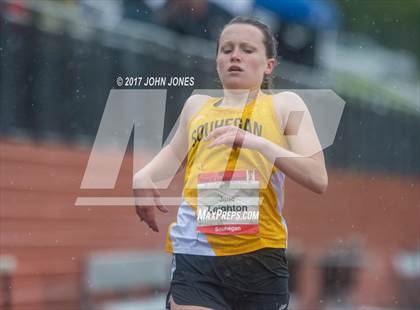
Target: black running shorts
x,y
251,281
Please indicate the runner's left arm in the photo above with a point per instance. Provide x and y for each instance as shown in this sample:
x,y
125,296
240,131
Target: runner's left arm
x,y
303,161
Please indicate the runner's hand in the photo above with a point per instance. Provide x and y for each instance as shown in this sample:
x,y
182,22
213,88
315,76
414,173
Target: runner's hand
x,y
232,136
146,198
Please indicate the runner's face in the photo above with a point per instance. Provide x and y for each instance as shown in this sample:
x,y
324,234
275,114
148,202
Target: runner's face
x,y
241,57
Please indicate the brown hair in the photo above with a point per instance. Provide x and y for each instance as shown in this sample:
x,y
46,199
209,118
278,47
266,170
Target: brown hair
x,y
269,42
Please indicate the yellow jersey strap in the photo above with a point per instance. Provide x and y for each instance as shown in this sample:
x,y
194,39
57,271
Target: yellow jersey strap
x,y
234,153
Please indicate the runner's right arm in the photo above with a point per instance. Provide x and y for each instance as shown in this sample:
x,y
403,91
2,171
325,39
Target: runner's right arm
x,y
163,166
167,162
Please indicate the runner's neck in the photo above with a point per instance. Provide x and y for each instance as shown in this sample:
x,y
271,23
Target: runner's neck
x,y
238,98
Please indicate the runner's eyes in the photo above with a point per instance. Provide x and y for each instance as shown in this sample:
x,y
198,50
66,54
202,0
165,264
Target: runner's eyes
x,y
229,50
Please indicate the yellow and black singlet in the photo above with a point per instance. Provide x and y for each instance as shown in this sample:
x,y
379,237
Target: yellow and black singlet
x,y
231,204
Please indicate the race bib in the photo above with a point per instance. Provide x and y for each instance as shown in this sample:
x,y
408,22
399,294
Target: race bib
x,y
228,207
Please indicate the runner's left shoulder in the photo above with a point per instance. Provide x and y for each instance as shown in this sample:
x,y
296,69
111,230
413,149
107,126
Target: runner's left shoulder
x,y
288,100
285,102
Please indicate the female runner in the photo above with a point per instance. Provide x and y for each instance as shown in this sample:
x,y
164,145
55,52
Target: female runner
x,y
230,237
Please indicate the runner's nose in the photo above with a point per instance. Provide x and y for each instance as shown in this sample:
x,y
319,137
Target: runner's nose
x,y
235,55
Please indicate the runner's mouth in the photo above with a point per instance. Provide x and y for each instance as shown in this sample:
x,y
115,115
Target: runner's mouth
x,y
235,69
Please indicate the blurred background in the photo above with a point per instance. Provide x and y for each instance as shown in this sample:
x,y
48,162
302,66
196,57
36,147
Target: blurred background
x,y
355,247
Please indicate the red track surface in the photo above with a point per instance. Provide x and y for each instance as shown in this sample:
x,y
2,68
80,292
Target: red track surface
x,y
49,236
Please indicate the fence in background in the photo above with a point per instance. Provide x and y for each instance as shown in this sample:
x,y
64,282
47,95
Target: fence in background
x,y
56,74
